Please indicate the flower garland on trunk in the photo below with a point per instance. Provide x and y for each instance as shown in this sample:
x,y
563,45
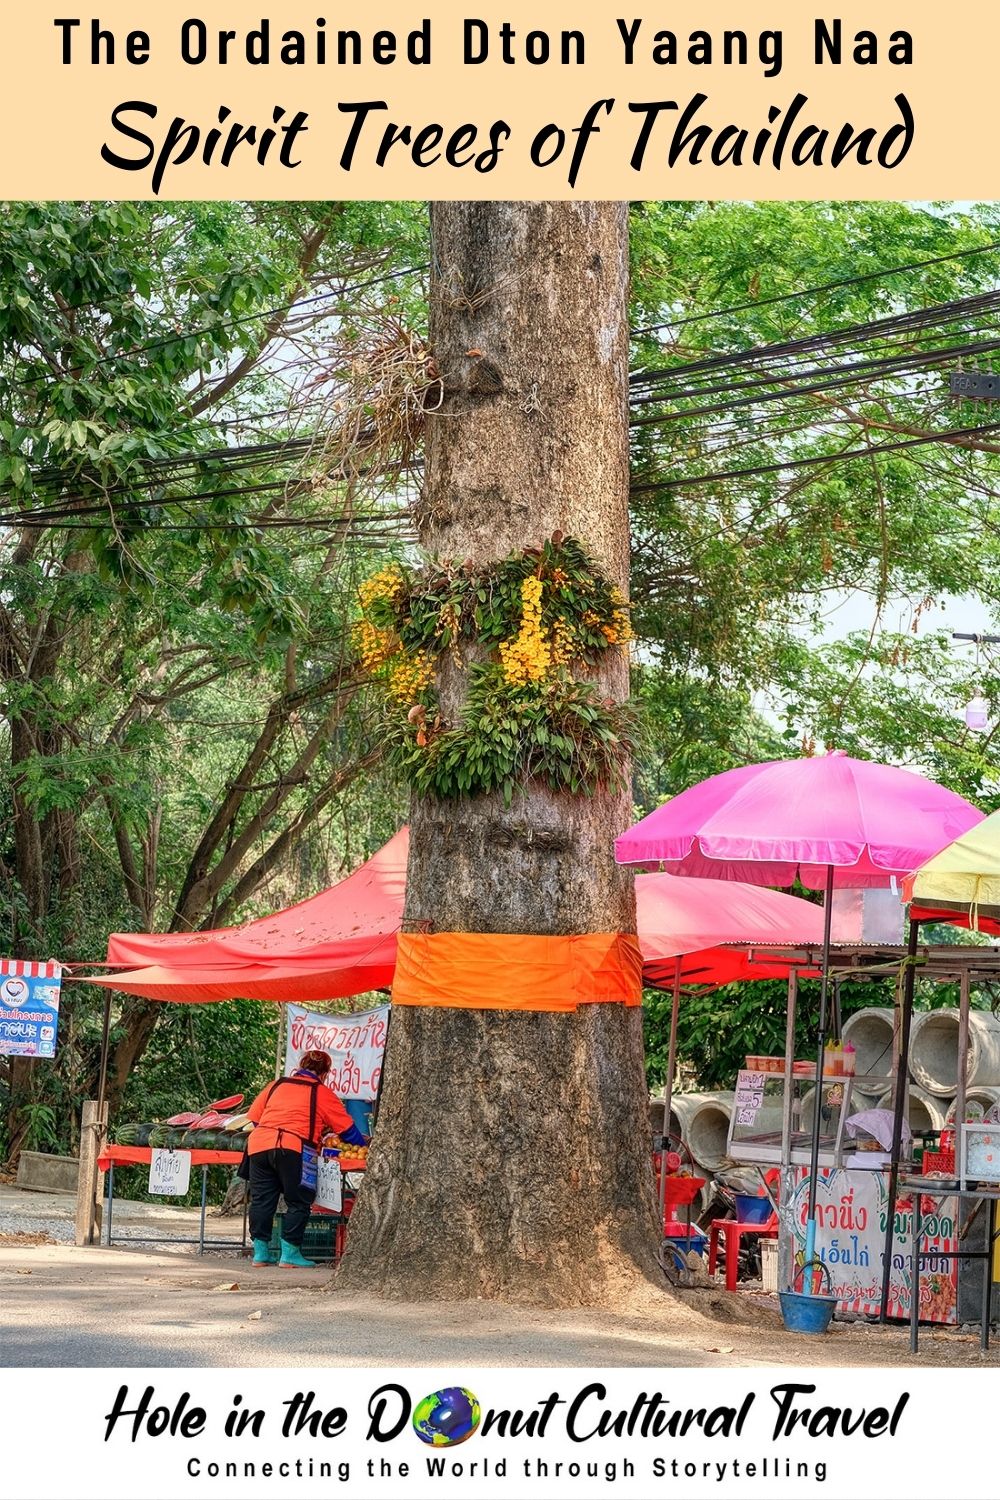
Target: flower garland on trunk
x,y
543,615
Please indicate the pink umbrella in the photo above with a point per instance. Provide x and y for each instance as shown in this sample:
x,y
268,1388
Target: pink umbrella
x,y
788,819
827,820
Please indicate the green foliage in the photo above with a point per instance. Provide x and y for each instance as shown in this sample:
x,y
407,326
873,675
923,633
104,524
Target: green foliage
x,y
179,715
42,1133
561,733
442,604
522,719
200,1053
739,586
180,739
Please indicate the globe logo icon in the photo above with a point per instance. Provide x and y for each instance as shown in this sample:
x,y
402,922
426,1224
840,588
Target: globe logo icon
x,y
447,1417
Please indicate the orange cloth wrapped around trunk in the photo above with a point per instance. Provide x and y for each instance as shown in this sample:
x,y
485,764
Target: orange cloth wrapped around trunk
x,y
508,971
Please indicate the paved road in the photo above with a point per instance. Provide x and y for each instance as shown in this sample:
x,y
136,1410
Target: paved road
x,y
130,1308
133,1308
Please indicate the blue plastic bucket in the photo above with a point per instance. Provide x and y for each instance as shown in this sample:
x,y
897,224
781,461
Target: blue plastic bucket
x,y
751,1209
695,1241
802,1312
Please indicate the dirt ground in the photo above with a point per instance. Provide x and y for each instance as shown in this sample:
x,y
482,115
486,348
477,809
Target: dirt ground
x,y
133,1305
138,1307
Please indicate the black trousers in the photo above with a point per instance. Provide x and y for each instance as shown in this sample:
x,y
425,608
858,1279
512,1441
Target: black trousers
x,y
273,1174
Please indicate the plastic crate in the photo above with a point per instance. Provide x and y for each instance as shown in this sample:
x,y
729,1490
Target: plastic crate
x,y
320,1240
939,1161
769,1265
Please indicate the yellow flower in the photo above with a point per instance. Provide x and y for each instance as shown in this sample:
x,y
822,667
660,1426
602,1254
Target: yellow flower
x,y
373,645
386,584
621,626
563,643
527,657
410,676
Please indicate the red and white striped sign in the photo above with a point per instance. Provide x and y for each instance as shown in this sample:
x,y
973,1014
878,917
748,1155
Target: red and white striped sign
x,y
25,968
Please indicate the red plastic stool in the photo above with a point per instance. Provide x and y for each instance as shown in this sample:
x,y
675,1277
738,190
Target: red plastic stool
x,y
733,1230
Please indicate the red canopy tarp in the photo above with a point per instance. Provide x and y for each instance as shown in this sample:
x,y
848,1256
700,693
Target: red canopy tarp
x,y
343,941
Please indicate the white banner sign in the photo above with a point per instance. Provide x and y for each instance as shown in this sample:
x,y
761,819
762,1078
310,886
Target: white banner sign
x,y
356,1044
169,1172
781,1433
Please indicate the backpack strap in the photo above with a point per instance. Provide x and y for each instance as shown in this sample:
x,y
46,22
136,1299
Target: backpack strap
x,y
310,1083
312,1115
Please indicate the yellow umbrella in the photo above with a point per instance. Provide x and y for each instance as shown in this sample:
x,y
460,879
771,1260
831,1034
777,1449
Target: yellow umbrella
x,y
963,879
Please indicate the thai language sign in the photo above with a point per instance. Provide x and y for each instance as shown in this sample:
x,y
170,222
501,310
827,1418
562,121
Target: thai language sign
x,y
169,1172
356,1044
29,1008
749,1096
851,1216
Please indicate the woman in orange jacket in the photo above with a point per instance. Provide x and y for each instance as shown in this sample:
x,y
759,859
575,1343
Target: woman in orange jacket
x,y
287,1115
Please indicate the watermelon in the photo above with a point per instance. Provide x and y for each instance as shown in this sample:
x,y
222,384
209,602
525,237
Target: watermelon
x,y
233,1102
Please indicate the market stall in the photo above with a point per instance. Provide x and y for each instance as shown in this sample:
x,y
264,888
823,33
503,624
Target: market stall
x,y
959,885
865,1232
830,822
337,944
342,942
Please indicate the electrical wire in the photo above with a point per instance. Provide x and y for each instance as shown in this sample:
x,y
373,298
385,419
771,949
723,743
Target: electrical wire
x,y
815,291
873,450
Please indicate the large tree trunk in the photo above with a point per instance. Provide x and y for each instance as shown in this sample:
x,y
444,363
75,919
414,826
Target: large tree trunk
x,y
512,1157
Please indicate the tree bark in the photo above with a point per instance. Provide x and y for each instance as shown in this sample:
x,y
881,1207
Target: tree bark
x,y
512,1153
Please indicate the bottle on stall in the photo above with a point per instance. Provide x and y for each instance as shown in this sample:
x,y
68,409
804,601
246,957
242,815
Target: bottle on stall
x,y
850,1060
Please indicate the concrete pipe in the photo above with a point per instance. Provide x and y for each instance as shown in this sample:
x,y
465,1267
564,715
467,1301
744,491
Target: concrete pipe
x,y
925,1112
982,1098
934,1051
707,1129
656,1121
869,1032
682,1107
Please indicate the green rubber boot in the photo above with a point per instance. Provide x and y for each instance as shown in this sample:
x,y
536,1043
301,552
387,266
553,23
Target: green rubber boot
x,y
291,1255
262,1254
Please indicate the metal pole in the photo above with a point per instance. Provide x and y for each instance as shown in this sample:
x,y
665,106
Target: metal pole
x,y
915,1292
820,1058
105,1048
991,1219
669,1086
279,1049
787,1098
897,1115
204,1202
963,1052
111,1197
